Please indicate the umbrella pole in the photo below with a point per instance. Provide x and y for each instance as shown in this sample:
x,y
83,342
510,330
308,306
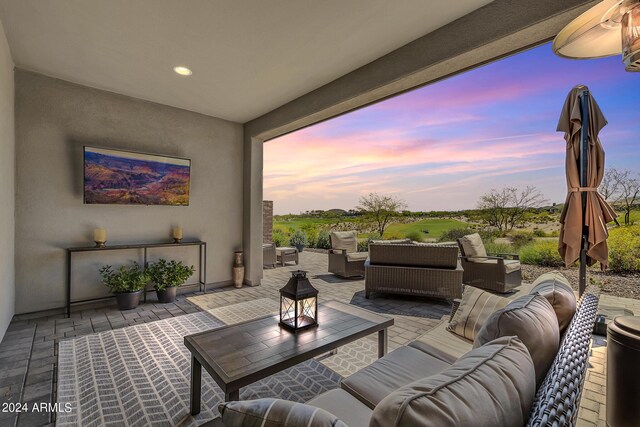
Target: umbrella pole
x,y
583,165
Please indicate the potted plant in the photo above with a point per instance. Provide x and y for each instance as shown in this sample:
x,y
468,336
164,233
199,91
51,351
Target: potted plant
x,y
127,283
298,240
167,276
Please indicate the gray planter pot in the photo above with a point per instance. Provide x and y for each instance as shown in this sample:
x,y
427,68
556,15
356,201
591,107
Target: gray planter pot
x,y
128,300
167,295
300,248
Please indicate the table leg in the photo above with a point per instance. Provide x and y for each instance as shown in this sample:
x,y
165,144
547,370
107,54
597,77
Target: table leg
x,y
232,396
382,342
196,385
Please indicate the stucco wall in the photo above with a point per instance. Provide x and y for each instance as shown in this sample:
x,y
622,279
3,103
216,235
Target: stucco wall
x,y
54,119
7,187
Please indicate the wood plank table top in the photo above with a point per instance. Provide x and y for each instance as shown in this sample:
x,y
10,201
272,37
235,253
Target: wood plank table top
x,y
238,355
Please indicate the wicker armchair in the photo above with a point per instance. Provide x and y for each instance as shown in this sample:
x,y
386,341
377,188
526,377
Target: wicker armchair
x,y
493,272
268,255
344,258
413,269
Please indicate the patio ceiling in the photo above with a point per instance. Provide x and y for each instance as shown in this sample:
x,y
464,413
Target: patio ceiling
x,y
248,57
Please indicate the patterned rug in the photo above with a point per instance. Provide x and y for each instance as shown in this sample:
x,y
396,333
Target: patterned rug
x,y
140,375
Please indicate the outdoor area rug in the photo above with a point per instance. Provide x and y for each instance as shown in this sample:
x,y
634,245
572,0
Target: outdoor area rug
x,y
140,376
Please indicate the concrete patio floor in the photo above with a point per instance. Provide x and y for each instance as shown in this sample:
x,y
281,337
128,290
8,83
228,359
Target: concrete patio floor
x,y
28,352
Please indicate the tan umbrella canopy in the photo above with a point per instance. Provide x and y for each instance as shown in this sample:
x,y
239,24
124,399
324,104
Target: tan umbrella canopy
x,y
585,211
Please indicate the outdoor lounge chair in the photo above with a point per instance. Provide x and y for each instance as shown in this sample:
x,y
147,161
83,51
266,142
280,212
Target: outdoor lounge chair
x,y
421,269
493,272
344,258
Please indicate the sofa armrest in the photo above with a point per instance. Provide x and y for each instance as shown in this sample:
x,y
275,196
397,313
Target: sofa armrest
x,y
338,251
471,258
506,256
455,304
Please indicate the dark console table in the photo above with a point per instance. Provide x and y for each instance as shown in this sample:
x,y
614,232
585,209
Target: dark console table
x,y
202,264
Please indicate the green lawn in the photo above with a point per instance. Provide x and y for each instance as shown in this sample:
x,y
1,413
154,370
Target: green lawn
x,y
297,223
435,228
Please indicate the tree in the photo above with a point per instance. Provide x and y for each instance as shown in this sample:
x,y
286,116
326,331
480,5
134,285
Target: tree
x,y
507,208
622,188
610,186
629,193
380,209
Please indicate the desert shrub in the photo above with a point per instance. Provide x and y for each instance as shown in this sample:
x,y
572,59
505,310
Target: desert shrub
x,y
499,248
298,238
624,249
312,232
415,235
456,233
279,238
541,252
323,241
363,244
521,238
539,233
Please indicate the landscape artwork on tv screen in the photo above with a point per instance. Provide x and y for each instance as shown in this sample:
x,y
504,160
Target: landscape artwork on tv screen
x,y
129,178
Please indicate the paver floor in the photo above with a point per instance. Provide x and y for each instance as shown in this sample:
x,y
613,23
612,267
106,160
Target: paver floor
x,y
28,352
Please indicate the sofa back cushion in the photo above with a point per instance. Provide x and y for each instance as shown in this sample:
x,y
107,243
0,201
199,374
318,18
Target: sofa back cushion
x,y
493,385
414,255
532,319
475,308
275,412
346,240
557,290
472,246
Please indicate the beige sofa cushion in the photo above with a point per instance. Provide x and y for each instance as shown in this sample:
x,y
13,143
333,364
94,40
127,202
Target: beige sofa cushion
x,y
398,368
357,256
392,242
475,308
275,413
441,343
493,385
346,240
532,319
473,247
557,290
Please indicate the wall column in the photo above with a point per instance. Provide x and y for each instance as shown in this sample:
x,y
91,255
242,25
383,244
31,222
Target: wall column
x,y
252,215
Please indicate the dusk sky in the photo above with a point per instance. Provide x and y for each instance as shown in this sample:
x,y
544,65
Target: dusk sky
x,y
442,146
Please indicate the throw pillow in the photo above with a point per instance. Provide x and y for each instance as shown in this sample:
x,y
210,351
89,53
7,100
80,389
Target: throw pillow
x,y
473,247
557,290
275,412
532,319
475,308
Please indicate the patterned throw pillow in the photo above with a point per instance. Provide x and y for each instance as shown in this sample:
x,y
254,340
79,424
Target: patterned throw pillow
x,y
275,413
475,308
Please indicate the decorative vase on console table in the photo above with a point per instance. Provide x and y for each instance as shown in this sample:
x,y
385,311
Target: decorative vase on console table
x,y
238,269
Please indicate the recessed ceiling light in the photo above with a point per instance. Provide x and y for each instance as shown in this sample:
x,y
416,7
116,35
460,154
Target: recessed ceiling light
x,y
183,71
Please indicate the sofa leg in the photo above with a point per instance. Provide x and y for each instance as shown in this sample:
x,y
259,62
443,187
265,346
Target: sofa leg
x,y
367,294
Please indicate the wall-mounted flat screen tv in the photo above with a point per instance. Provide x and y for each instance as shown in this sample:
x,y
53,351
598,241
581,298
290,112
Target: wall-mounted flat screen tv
x,y
130,178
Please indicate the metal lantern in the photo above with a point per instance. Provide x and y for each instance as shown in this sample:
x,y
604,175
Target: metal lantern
x,y
298,303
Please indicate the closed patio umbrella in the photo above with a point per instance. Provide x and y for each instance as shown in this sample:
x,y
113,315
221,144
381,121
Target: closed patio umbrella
x,y
583,232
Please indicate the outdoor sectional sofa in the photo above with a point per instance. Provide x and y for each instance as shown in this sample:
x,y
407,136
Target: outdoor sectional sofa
x,y
526,366
419,269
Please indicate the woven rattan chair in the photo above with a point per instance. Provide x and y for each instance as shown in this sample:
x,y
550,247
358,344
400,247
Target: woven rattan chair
x,y
344,258
493,272
268,255
413,269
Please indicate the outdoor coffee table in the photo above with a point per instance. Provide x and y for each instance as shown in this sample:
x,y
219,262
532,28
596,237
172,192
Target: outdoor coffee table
x,y
238,355
285,255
